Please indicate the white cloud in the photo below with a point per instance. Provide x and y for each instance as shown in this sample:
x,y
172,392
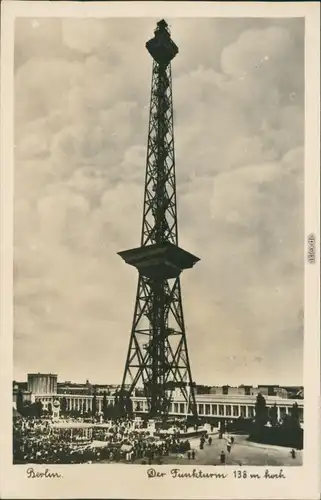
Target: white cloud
x,y
82,90
257,50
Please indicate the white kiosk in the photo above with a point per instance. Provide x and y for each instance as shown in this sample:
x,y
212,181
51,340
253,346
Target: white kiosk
x,y
151,427
56,410
138,422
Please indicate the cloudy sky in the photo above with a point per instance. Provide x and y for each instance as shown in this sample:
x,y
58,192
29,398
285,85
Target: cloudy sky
x,y
81,118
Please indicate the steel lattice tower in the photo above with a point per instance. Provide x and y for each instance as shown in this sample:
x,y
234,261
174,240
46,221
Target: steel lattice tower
x,y
157,358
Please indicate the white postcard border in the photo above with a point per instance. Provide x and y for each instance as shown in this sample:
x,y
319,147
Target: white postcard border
x,y
131,481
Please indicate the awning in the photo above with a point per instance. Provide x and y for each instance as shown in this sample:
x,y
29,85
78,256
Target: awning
x,y
71,425
126,447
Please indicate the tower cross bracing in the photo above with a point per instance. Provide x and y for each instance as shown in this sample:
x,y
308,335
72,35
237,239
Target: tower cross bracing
x,y
157,361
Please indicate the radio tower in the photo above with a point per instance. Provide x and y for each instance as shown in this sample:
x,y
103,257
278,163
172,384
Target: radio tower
x,y
157,359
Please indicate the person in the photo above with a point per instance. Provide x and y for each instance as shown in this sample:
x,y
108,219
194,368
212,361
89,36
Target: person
x,y
222,457
189,455
229,444
293,453
232,440
193,454
210,440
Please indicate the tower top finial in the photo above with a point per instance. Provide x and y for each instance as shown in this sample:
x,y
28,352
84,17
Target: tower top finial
x,y
161,47
162,26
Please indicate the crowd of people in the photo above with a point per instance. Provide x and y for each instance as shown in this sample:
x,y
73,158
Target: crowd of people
x,y
33,442
41,441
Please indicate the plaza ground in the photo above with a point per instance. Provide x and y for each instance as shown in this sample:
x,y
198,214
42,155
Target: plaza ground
x,y
243,452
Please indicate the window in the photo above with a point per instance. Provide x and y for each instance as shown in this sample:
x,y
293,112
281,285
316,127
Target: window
x,y
221,409
243,411
182,408
201,409
214,409
175,407
282,411
228,410
207,409
251,411
235,411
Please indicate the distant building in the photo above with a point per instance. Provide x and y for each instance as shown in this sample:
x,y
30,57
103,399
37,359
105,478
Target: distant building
x,y
295,392
268,390
26,395
218,403
21,385
248,390
42,383
86,389
203,389
72,388
225,390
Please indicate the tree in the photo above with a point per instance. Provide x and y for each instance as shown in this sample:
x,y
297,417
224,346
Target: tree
x,y
285,422
119,408
116,397
94,404
123,404
273,414
19,401
33,409
129,407
291,429
38,408
104,406
295,417
63,404
261,412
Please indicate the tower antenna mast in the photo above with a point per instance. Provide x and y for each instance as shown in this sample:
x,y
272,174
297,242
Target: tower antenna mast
x,y
157,360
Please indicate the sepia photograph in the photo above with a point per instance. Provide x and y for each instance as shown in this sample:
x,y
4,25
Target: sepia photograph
x,y
203,366
159,244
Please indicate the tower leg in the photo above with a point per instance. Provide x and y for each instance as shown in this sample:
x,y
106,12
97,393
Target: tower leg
x,y
157,360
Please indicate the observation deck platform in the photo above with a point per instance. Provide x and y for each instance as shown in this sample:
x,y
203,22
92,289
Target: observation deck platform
x,y
163,260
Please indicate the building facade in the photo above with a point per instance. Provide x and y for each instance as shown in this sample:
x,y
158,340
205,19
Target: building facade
x,y
227,405
26,396
209,406
42,383
248,390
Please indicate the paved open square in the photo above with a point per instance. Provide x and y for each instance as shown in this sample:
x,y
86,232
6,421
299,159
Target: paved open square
x,y
243,452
